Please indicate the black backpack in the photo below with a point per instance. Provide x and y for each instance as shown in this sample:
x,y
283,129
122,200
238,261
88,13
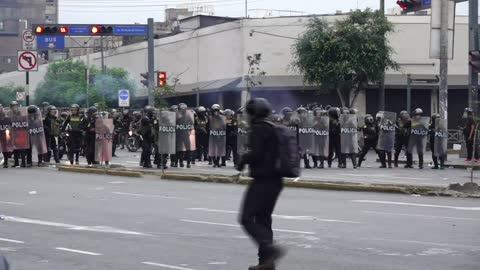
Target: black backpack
x,y
287,163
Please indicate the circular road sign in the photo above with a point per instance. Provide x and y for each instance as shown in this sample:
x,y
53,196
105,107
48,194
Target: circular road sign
x,y
124,94
27,61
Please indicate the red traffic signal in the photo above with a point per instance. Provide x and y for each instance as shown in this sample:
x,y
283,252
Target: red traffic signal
x,y
161,78
101,30
39,30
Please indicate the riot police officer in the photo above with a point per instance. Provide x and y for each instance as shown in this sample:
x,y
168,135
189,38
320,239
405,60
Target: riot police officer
x,y
73,128
118,128
201,133
174,158
232,130
334,137
52,133
146,131
370,136
417,141
435,159
5,138
18,154
126,125
469,134
88,127
402,136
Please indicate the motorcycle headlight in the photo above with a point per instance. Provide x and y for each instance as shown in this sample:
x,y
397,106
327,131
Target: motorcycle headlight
x,y
130,133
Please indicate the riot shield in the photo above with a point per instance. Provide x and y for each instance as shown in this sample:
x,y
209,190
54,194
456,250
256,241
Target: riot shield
x,y
418,135
360,123
21,138
217,139
441,138
305,132
348,133
185,133
103,139
243,133
321,127
6,140
166,134
386,131
37,134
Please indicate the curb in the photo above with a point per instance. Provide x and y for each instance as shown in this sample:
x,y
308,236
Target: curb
x,y
100,171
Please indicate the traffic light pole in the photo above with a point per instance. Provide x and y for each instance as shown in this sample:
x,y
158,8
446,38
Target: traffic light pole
x,y
443,93
381,85
151,62
473,47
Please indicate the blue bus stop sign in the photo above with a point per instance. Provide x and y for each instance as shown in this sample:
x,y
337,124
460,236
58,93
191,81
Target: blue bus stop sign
x,y
123,98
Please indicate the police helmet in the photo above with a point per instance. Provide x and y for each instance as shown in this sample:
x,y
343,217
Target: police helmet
x,y
182,106
13,103
201,109
32,109
216,107
418,112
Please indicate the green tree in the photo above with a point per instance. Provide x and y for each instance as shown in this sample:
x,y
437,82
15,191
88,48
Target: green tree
x,y
347,55
8,94
65,83
160,93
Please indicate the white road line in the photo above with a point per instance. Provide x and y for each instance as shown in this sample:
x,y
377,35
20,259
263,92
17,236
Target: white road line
x,y
11,203
102,229
78,251
237,226
117,182
308,218
167,266
421,205
148,196
425,216
11,241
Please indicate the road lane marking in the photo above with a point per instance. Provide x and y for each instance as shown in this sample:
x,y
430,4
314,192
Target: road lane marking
x,y
102,229
308,218
426,216
421,205
11,203
11,241
238,226
117,182
148,196
78,251
167,266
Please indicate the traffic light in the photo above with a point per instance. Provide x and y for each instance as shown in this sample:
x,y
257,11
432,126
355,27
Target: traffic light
x,y
46,30
475,60
101,30
161,78
145,77
410,5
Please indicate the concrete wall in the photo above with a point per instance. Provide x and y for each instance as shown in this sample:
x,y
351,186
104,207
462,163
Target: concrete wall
x,y
200,58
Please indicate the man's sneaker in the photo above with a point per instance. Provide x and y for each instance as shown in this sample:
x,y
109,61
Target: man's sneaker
x,y
262,267
476,160
468,160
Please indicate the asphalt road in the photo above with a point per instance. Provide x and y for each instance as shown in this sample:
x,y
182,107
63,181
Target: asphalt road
x,y
56,220
369,173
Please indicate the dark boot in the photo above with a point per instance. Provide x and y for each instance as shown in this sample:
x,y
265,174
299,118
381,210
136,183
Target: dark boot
x,y
435,162
420,161
307,163
395,162
315,162
354,161
389,156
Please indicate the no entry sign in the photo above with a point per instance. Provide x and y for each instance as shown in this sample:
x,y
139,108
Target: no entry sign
x,y
27,61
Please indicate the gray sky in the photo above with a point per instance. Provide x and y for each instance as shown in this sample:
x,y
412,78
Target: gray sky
x,y
131,11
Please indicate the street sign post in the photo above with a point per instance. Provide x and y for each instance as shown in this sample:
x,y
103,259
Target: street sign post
x,y
27,61
20,96
123,98
29,40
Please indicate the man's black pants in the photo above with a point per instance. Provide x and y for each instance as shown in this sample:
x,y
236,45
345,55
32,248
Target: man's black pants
x,y
256,213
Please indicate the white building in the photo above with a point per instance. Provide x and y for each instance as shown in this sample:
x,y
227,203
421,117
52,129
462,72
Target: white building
x,y
211,62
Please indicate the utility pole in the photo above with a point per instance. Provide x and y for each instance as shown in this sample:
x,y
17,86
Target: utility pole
x,y
409,93
381,85
443,93
246,9
473,47
151,62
